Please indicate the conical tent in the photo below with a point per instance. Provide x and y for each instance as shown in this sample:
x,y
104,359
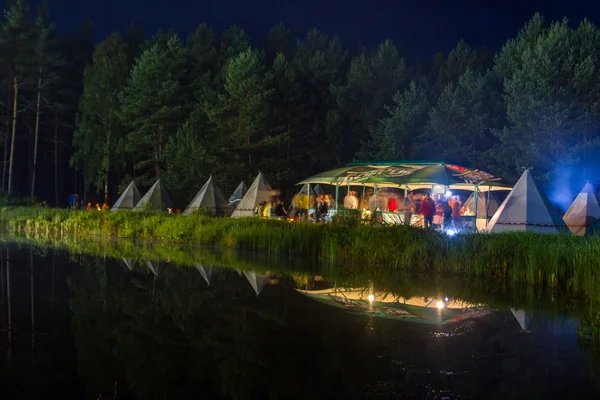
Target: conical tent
x,y
527,209
259,191
315,190
211,198
584,211
157,199
206,272
482,204
128,199
238,195
257,281
522,318
130,263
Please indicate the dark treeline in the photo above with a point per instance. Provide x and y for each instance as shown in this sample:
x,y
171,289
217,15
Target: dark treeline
x,y
89,119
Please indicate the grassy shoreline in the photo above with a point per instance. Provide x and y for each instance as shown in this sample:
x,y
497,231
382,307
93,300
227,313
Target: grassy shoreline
x,y
560,262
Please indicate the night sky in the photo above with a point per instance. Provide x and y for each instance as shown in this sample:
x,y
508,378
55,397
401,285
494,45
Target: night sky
x,y
419,28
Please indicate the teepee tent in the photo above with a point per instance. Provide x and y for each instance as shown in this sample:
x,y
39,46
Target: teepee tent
x,y
584,211
206,272
238,195
527,209
130,263
211,198
157,199
482,204
315,190
128,199
522,318
259,191
257,281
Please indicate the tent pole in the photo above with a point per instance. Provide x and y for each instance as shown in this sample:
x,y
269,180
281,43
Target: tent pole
x,y
405,191
363,197
337,190
487,206
376,197
476,196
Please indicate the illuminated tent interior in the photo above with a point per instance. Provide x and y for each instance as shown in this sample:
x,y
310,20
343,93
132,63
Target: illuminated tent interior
x,y
584,211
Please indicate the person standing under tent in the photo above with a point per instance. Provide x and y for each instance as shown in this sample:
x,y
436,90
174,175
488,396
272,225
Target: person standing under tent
x,y
351,201
407,207
447,210
428,210
392,205
456,213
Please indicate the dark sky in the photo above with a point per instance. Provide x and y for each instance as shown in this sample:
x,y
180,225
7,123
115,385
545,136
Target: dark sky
x,y
419,27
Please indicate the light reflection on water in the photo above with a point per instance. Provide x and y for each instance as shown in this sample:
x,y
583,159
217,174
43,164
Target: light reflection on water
x,y
155,329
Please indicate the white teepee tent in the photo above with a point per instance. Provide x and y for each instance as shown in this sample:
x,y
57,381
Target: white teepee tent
x,y
238,195
130,262
127,200
206,272
257,281
482,204
584,211
522,318
157,199
259,191
211,198
527,209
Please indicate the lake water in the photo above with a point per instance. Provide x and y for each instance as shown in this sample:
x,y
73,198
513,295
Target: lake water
x,y
76,326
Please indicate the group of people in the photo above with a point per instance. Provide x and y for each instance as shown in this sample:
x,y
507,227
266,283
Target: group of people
x,y
312,207
271,209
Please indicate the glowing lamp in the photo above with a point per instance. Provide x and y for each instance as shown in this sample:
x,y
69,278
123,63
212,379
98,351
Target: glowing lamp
x,y
439,304
371,298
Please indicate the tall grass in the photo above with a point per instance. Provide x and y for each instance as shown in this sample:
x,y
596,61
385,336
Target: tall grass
x,y
559,262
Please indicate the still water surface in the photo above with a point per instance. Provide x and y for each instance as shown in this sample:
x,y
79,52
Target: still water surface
x,y
84,327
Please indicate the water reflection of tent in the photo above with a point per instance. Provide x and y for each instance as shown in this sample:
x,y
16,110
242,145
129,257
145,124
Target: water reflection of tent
x,y
129,262
416,309
527,209
584,211
259,191
154,267
257,281
522,318
238,195
157,199
210,197
128,199
206,272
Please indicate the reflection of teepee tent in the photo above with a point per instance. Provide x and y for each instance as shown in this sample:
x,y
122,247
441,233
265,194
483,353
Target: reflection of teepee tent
x,y
211,198
157,199
206,272
129,198
154,267
238,195
130,262
257,281
584,211
527,209
259,191
482,204
522,318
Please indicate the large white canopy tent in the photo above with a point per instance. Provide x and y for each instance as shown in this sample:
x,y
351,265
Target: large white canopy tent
x,y
438,176
526,208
